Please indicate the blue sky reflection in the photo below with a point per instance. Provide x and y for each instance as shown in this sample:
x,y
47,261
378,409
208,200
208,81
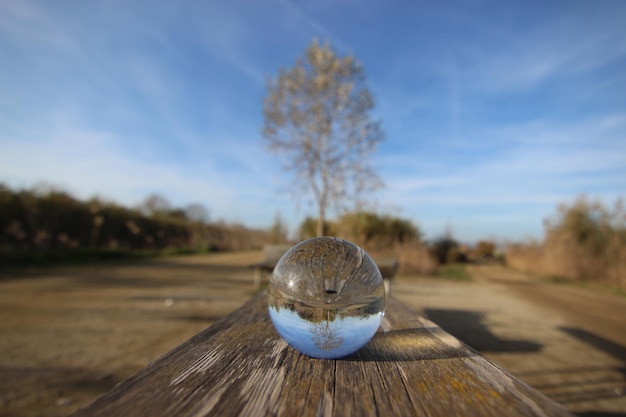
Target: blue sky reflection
x,y
341,336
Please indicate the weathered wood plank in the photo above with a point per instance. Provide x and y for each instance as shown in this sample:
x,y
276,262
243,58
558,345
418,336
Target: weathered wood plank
x,y
240,366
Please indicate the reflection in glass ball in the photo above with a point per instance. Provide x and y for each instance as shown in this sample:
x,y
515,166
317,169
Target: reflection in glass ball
x,y
326,297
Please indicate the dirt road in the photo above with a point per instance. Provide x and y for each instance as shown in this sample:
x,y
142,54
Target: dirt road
x,y
69,334
565,341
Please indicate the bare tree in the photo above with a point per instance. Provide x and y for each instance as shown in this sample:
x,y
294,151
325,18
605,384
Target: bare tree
x,y
317,115
197,212
154,204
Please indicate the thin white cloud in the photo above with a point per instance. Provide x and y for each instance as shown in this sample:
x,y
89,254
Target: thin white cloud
x,y
555,164
297,14
158,87
570,41
556,48
226,37
23,21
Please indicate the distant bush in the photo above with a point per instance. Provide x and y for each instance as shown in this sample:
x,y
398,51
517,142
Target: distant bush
x,y
375,230
445,249
455,272
308,228
485,250
386,236
583,241
52,220
382,236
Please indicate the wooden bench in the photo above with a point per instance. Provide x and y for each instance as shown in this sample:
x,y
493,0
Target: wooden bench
x,y
241,367
272,254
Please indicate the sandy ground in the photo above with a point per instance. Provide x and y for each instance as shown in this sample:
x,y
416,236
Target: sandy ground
x,y
68,335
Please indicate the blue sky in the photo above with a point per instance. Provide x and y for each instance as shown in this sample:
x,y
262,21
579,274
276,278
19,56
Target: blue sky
x,y
494,111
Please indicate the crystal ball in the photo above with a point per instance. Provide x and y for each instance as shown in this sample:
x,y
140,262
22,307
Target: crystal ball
x,y
326,297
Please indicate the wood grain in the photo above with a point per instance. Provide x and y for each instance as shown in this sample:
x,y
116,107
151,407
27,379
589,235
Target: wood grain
x,y
240,366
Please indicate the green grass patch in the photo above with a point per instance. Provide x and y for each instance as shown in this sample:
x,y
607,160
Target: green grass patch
x,y
588,285
45,258
455,272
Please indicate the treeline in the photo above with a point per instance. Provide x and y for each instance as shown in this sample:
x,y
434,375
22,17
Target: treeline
x,y
584,241
368,229
387,236
52,220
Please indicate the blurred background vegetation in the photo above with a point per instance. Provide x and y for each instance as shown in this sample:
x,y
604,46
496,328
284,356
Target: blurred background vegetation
x,y
44,225
584,241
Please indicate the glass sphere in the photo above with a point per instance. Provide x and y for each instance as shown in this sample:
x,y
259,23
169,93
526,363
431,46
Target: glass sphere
x,y
326,297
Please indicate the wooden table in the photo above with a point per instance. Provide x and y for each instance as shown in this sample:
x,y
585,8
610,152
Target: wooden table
x,y
240,366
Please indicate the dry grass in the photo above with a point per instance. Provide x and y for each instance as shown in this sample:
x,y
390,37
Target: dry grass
x,y
584,242
571,261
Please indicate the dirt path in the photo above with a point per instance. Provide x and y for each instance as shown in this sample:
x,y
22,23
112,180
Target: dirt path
x,y
69,334
566,342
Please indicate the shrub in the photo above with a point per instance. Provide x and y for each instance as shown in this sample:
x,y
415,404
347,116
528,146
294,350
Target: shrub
x,y
377,231
583,241
445,249
48,219
382,236
308,228
485,250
